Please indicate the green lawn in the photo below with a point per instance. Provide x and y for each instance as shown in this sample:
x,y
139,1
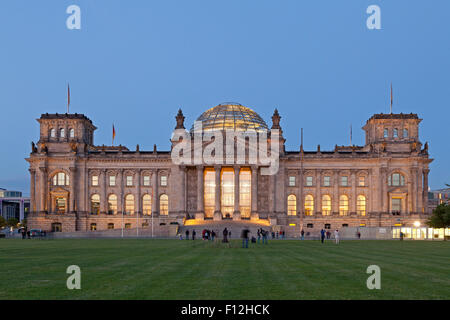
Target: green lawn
x,y
174,269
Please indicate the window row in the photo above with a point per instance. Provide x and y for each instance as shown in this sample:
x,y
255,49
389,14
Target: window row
x,y
130,204
395,133
128,181
326,181
326,208
62,133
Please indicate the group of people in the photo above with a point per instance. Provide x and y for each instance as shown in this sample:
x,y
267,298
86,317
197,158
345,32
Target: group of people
x,y
327,234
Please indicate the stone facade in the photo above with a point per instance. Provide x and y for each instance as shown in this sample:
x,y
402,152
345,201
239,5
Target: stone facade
x,y
74,182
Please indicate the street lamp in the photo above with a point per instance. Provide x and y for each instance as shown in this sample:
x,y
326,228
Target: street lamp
x,y
417,224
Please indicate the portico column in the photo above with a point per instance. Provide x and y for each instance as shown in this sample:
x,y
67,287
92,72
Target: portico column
x,y
183,189
32,190
254,195
237,212
72,196
155,197
217,208
200,214
419,192
425,189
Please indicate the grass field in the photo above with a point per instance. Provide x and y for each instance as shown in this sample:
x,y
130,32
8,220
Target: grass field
x,y
174,269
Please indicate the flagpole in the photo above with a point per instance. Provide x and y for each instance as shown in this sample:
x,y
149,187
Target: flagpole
x,y
68,97
391,97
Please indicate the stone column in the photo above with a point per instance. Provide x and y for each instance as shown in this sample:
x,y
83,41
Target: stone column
x,y
419,192
72,196
217,209
200,214
32,190
121,202
138,192
425,189
318,195
353,197
383,189
43,189
183,189
237,212
300,201
273,183
104,193
254,195
412,182
335,199
155,197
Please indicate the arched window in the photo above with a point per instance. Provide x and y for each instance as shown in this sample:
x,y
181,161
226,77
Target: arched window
x,y
52,133
61,179
112,204
71,133
326,205
129,204
395,133
292,205
62,133
95,204
343,205
386,133
405,133
396,180
164,205
309,205
147,204
361,205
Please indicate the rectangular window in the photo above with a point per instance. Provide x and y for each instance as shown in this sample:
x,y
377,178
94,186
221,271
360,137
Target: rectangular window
x,y
163,180
95,181
112,181
362,181
292,181
326,181
344,181
386,133
146,181
129,181
396,205
309,181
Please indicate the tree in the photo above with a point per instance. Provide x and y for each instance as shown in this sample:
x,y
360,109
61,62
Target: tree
x,y
2,222
440,217
12,222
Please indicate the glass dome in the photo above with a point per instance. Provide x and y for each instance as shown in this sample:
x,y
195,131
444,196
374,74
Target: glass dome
x,y
231,116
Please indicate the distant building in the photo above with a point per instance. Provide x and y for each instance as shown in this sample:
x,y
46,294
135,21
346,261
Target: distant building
x,y
13,205
437,197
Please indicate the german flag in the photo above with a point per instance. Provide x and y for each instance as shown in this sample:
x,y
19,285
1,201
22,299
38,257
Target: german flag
x,y
113,134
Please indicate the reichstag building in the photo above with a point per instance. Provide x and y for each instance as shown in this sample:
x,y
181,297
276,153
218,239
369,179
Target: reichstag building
x,y
79,186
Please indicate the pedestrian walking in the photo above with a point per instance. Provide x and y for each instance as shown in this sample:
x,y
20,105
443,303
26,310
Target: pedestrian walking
x,y
336,236
187,234
244,236
322,235
225,235
302,233
193,234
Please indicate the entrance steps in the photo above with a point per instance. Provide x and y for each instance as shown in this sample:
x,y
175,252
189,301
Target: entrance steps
x,y
235,227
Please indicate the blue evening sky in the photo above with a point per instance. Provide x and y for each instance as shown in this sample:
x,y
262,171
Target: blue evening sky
x,y
135,63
